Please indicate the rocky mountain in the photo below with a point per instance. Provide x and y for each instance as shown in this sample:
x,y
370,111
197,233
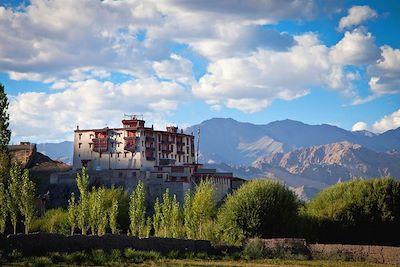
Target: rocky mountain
x,y
333,162
232,142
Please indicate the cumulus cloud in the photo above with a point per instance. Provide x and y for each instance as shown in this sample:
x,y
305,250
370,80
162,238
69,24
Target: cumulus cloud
x,y
356,48
356,16
176,69
359,126
250,83
388,122
385,74
90,103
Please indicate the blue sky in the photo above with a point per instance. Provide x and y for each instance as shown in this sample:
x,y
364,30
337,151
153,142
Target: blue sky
x,y
65,63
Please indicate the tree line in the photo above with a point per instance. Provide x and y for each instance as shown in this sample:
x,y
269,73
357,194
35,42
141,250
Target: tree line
x,y
94,213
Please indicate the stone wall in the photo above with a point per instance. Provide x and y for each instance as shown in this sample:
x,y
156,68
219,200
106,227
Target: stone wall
x,y
41,243
377,254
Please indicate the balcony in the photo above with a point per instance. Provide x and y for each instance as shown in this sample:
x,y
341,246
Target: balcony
x,y
100,144
130,143
149,139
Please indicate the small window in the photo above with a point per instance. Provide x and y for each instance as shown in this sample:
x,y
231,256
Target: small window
x,y
120,174
159,176
79,155
187,159
79,145
111,155
100,155
80,136
134,174
90,145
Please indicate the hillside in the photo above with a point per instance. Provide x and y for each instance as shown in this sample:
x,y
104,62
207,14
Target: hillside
x,y
232,142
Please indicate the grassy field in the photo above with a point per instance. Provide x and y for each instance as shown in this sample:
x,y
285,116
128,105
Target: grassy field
x,y
259,263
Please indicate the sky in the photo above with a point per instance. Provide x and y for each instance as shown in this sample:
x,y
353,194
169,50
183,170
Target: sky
x,y
180,62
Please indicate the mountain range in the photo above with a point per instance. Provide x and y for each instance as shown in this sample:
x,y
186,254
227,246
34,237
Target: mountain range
x,y
306,157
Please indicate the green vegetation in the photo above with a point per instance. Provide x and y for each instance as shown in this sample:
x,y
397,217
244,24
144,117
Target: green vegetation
x,y
137,211
82,181
261,208
53,221
375,200
130,257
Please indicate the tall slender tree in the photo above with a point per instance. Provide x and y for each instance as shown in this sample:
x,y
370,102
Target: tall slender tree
x,y
113,216
157,218
188,217
204,206
82,181
166,208
72,213
137,210
5,135
27,200
3,208
176,218
14,196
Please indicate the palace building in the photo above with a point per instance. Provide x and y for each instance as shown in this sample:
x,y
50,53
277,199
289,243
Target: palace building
x,y
161,159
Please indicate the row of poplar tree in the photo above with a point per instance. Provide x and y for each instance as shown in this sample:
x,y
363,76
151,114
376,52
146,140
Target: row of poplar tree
x,y
91,214
17,191
17,199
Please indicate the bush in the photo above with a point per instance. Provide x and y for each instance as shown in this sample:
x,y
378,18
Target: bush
x,y
99,257
53,221
262,208
41,262
137,256
254,249
359,211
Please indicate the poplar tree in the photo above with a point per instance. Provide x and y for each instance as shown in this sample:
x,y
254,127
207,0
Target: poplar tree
x,y
93,211
166,214
14,196
3,208
27,200
176,222
137,210
188,216
157,218
82,182
102,216
5,135
203,206
72,213
114,216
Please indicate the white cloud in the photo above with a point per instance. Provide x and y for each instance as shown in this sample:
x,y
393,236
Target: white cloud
x,y
356,48
356,16
388,122
89,103
359,126
252,82
385,74
176,69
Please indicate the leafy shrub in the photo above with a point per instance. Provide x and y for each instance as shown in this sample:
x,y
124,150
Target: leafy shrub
x,y
138,256
115,255
254,249
41,262
53,221
173,254
261,208
99,257
374,200
76,257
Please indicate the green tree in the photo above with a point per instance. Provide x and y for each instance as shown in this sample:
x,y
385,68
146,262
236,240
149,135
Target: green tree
x,y
137,210
82,182
373,201
157,218
113,216
260,208
72,213
190,228
27,200
176,218
203,206
3,208
94,209
166,207
102,212
5,135
14,196
147,227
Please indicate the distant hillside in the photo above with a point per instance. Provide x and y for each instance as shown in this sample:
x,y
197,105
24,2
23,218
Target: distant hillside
x,y
58,151
232,142
333,162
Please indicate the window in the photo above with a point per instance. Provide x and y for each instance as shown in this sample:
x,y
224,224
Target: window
x,y
120,174
187,159
79,155
159,176
79,145
100,155
142,153
134,174
111,155
90,145
80,136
